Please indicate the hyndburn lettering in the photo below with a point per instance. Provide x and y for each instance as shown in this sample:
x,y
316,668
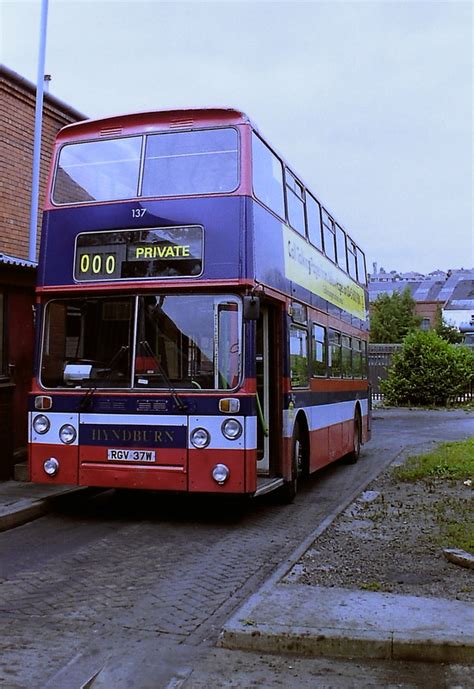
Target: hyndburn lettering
x,y
134,435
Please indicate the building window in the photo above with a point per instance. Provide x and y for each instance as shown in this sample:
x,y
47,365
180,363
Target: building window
x,y
425,324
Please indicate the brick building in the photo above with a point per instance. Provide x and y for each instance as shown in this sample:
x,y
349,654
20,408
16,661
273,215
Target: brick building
x,y
17,273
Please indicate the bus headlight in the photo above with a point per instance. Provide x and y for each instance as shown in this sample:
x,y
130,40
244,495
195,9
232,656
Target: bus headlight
x,y
220,473
41,424
67,434
51,466
232,429
200,438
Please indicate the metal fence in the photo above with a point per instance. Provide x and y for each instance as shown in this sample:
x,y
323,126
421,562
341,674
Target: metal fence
x,y
380,360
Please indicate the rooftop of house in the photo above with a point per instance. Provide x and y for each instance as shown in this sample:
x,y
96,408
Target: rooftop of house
x,y
438,286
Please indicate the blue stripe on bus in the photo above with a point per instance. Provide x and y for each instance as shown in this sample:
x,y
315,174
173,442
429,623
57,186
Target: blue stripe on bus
x,y
129,403
133,436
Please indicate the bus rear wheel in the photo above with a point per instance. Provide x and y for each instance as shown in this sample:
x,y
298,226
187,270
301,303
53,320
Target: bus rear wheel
x,y
354,454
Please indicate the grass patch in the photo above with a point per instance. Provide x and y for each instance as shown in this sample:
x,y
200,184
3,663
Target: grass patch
x,y
452,461
372,586
453,515
458,535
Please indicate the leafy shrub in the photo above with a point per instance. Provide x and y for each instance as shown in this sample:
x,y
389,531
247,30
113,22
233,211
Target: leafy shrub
x,y
428,371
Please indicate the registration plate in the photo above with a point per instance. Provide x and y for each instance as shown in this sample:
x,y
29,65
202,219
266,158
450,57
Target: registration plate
x,y
131,455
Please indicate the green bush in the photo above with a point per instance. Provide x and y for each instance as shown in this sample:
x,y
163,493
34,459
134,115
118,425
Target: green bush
x,y
428,371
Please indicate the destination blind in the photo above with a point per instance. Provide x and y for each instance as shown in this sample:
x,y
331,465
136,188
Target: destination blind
x,y
139,254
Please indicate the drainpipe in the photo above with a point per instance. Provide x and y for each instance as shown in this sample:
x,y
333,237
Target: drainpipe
x,y
35,182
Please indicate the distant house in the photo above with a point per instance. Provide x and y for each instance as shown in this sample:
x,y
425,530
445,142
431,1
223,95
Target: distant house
x,y
431,292
459,309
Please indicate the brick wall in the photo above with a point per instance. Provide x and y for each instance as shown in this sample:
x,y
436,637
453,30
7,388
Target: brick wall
x,y
17,117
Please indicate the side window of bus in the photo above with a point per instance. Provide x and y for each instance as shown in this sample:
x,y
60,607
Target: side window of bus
x,y
341,248
267,173
329,236
351,258
346,356
313,214
298,357
335,358
361,269
295,202
319,350
357,364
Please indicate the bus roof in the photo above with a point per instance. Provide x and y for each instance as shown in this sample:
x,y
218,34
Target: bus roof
x,y
117,125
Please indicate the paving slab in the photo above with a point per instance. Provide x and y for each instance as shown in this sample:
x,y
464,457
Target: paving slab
x,y
22,501
311,620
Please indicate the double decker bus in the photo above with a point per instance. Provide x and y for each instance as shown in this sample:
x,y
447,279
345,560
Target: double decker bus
x,y
201,318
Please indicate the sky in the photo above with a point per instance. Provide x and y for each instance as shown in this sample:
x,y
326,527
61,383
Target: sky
x,y
370,103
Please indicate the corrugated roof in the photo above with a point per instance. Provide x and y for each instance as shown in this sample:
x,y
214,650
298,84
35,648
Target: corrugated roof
x,y
462,297
5,259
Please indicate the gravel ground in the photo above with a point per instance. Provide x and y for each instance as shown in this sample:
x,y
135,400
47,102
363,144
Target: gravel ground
x,y
390,540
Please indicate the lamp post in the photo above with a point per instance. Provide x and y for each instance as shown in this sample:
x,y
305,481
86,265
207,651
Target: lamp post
x,y
35,182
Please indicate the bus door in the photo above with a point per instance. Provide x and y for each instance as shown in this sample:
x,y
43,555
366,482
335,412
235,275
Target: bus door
x,y
268,402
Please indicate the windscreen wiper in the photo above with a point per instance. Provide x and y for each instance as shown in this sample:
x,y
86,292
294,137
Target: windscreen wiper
x,y
149,352
85,403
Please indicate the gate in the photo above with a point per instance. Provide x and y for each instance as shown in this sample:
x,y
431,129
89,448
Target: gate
x,y
380,360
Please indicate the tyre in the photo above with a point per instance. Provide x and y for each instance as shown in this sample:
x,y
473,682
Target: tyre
x,y
290,488
354,454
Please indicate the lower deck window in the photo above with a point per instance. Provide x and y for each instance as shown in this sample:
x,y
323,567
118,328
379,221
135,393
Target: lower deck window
x,y
335,357
298,357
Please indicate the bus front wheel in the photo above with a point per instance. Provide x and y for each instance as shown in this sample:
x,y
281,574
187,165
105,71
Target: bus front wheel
x,y
289,489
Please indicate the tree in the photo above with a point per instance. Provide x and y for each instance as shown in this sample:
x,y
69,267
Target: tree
x,y
393,317
444,330
428,371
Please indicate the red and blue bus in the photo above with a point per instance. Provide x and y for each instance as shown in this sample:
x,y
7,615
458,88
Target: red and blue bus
x,y
201,317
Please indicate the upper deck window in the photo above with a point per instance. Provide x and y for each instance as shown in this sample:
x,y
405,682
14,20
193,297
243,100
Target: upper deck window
x,y
98,171
361,269
341,248
176,164
314,221
329,236
351,258
295,200
198,162
267,177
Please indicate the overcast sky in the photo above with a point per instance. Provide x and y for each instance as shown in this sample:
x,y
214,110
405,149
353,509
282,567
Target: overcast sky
x,y
369,102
